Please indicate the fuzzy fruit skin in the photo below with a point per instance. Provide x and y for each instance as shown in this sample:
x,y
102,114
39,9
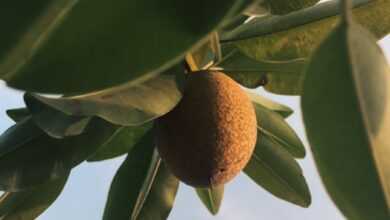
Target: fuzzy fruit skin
x,y
209,137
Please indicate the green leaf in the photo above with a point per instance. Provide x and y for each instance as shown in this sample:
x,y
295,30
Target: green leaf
x,y
241,7
274,126
274,169
18,135
29,157
277,35
129,105
142,187
261,8
345,108
128,188
234,22
54,122
161,197
284,7
281,109
211,197
18,114
282,77
285,84
235,61
298,34
64,46
124,139
28,205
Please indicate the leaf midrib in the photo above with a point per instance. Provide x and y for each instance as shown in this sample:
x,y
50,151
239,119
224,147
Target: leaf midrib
x,y
212,202
289,147
277,176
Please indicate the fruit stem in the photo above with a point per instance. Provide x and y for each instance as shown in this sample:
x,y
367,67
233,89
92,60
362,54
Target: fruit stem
x,y
190,63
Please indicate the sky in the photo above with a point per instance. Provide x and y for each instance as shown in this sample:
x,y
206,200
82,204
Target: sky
x,y
85,194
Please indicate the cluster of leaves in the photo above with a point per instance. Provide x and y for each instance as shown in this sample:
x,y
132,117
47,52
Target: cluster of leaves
x,y
115,68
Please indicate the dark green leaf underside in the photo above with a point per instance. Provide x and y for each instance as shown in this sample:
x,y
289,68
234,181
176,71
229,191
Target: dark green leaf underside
x,y
50,49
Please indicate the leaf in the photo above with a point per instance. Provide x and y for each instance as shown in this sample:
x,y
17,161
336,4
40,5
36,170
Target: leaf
x,y
273,168
261,8
276,128
211,197
236,61
18,135
37,158
18,114
298,34
53,42
30,204
129,105
161,197
281,77
281,109
284,7
241,7
285,84
128,186
345,111
54,122
234,22
309,24
123,141
141,184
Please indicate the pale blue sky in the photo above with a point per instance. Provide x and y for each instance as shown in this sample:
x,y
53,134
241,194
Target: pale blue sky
x,y
85,193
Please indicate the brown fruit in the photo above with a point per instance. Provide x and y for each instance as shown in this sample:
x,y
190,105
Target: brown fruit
x,y
209,137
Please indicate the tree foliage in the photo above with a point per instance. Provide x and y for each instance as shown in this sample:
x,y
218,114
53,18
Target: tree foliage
x,y
112,67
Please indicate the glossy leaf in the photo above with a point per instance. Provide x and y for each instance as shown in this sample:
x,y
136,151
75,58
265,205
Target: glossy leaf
x,y
141,184
28,205
38,158
345,108
211,198
52,51
274,169
282,77
274,126
54,122
18,114
129,105
123,141
281,109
